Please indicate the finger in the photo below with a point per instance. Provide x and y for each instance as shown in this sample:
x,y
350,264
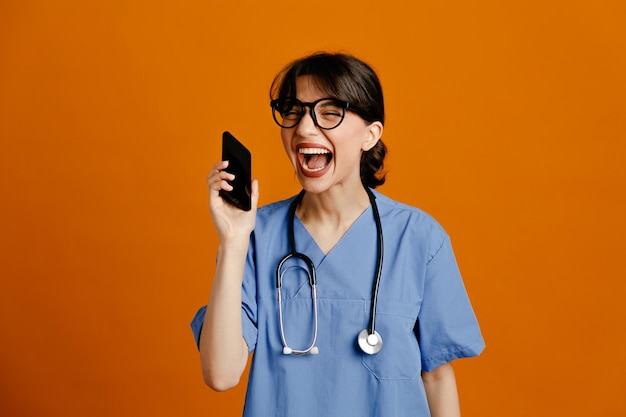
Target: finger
x,y
225,185
254,193
220,165
217,169
221,176
217,185
217,178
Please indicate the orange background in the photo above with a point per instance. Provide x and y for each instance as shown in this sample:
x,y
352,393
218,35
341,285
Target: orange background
x,y
506,121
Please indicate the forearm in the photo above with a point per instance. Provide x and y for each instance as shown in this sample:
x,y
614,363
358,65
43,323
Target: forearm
x,y
441,392
223,351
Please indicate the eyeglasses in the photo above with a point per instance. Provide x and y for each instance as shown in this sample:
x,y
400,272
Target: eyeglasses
x,y
327,113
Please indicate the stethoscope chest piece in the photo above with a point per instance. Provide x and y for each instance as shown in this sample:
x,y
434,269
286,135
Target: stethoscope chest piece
x,y
370,343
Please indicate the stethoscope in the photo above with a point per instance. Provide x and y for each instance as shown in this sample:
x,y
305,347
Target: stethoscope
x,y
369,340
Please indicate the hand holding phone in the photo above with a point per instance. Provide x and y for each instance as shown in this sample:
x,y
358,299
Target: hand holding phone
x,y
240,164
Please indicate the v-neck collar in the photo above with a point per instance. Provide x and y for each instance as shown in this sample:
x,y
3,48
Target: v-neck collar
x,y
309,246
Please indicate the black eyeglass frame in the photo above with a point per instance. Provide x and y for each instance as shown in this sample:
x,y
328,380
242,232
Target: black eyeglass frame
x,y
345,106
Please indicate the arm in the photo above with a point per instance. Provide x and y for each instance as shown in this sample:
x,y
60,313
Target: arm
x,y
440,386
223,350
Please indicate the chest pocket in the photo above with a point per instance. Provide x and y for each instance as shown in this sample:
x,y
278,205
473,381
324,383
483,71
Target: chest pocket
x,y
400,356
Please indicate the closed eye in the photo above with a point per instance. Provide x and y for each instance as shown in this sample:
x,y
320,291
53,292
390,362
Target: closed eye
x,y
291,114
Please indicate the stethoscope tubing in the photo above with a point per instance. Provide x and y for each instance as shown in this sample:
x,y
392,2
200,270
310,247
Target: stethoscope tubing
x,y
312,348
312,282
369,340
371,329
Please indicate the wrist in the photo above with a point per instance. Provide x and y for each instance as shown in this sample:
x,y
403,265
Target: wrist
x,y
233,245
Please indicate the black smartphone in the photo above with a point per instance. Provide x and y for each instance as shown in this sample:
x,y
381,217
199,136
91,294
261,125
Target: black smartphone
x,y
240,164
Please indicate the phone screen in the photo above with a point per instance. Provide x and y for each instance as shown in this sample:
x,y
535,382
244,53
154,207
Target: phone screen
x,y
240,164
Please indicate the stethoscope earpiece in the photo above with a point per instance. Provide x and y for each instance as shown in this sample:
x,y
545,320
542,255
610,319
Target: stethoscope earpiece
x,y
311,351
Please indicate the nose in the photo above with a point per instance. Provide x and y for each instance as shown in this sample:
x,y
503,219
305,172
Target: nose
x,y
307,124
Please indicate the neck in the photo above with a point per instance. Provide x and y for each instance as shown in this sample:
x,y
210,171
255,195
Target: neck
x,y
336,207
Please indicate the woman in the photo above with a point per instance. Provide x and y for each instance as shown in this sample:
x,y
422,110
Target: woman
x,y
318,348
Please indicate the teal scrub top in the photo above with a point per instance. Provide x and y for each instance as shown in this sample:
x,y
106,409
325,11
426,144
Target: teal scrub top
x,y
423,315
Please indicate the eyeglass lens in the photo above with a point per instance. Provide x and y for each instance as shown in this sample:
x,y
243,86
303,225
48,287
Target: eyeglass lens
x,y
327,113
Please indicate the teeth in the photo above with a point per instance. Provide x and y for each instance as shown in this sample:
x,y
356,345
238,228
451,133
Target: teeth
x,y
313,151
308,152
305,166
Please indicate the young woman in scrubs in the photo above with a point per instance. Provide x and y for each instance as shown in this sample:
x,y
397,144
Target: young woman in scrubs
x,y
422,309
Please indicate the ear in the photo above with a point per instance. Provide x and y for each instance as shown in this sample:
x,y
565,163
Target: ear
x,y
373,134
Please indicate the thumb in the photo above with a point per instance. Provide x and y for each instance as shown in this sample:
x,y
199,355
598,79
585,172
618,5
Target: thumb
x,y
254,193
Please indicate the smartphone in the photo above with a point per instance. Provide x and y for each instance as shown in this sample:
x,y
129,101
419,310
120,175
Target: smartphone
x,y
240,164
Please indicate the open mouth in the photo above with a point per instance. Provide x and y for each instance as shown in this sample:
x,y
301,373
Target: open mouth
x,y
313,159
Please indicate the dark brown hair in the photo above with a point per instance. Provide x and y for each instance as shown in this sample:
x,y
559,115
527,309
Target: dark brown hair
x,y
349,79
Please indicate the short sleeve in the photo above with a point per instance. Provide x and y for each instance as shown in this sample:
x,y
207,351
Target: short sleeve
x,y
248,306
248,328
249,300
447,325
196,324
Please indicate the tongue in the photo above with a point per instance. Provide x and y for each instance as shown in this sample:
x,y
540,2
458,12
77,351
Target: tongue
x,y
316,161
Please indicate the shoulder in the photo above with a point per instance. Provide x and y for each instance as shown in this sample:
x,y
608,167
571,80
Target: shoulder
x,y
410,224
272,209
271,215
405,212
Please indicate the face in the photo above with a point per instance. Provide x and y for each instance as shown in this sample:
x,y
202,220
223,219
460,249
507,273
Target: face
x,y
327,159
